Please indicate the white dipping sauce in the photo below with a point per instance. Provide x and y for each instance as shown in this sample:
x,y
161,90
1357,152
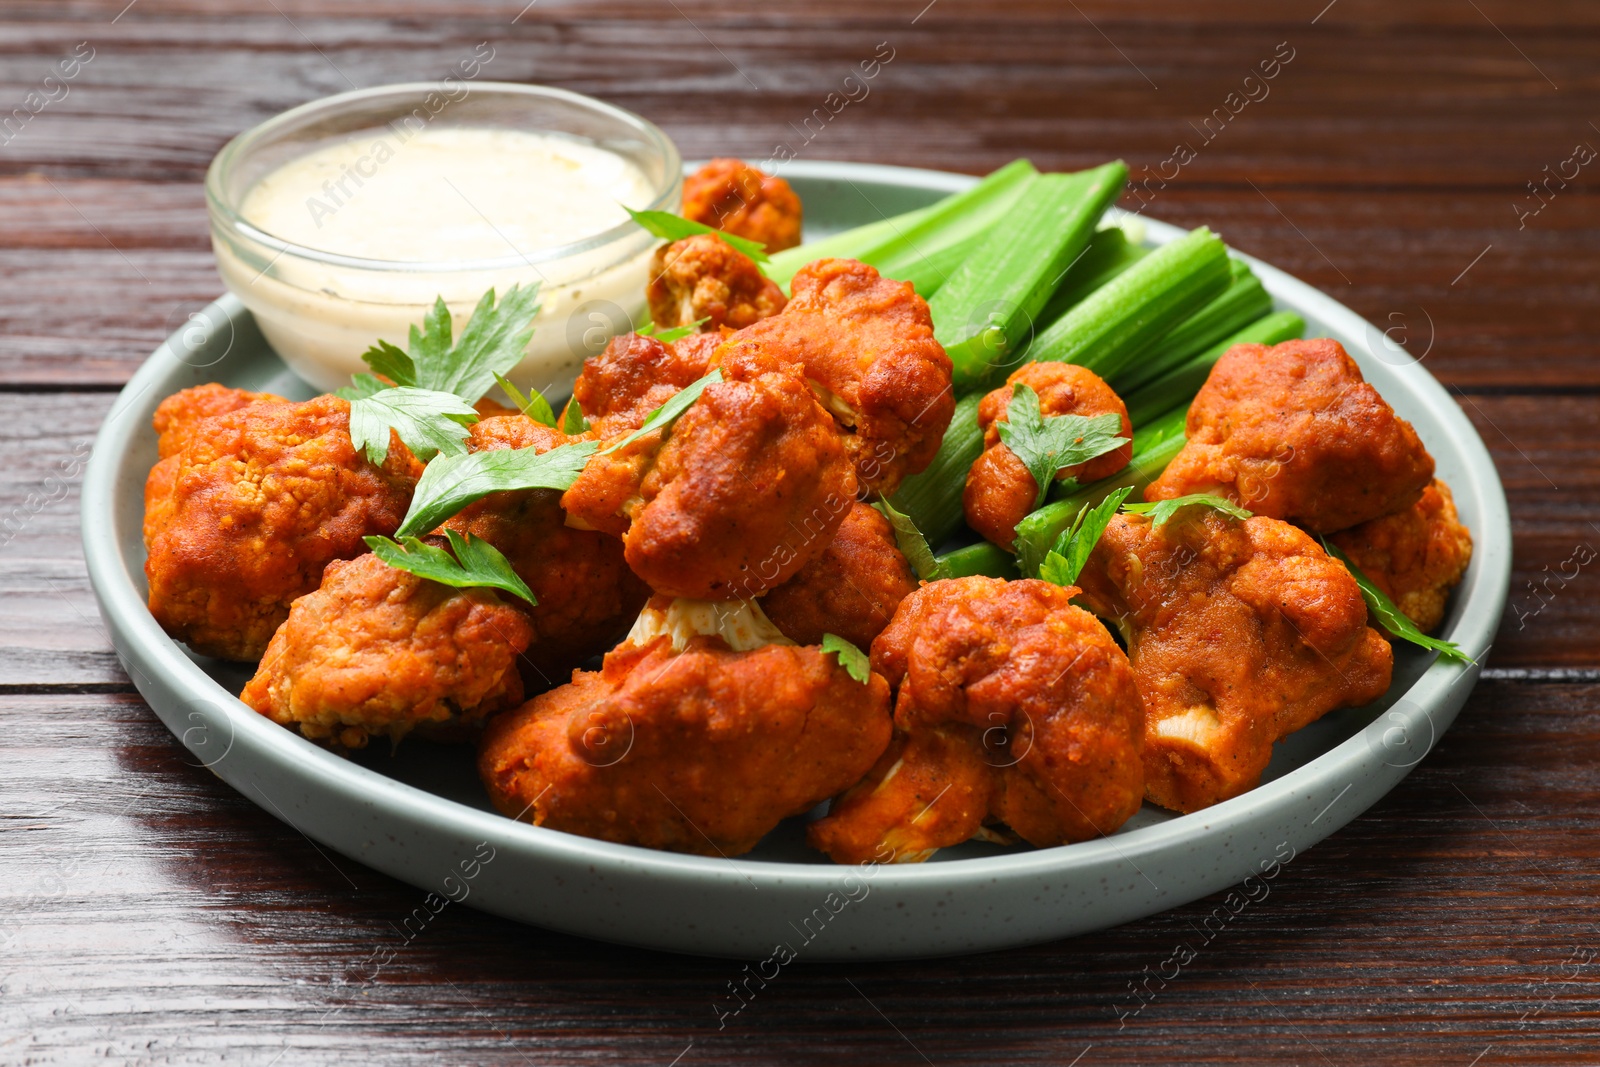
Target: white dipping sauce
x,y
441,196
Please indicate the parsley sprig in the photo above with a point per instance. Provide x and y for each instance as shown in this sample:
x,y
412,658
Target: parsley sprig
x,y
1048,444
1065,560
535,406
1394,621
851,658
913,546
476,563
673,333
670,227
431,386
1161,512
450,483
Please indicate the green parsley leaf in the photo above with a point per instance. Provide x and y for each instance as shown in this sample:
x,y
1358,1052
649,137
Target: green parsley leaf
x,y
1050,444
387,360
451,482
1162,511
536,407
362,386
477,563
429,422
851,658
913,546
572,421
1389,616
670,227
675,333
1065,560
663,417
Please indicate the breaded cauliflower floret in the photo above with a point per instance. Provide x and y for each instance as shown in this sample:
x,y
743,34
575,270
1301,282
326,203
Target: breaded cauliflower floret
x,y
748,487
1240,633
179,415
1000,492
243,518
1294,432
853,589
1013,707
1416,556
699,734
729,195
866,344
379,651
587,595
704,277
634,375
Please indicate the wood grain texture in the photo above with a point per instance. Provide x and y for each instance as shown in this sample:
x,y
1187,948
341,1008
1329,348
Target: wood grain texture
x,y
148,914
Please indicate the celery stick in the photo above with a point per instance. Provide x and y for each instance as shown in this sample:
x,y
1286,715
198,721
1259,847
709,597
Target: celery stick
x,y
933,498
900,245
1243,302
1123,319
1154,448
1108,255
981,558
988,308
1179,384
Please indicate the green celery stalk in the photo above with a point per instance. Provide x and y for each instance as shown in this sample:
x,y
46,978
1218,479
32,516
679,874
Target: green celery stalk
x,y
981,558
1153,448
933,498
1123,319
1243,302
987,309
1179,384
900,245
1108,255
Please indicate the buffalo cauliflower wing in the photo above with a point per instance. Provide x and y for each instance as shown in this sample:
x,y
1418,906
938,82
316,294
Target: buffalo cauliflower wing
x,y
1013,708
866,344
1415,556
587,597
728,194
699,734
634,375
379,651
243,518
1240,633
853,589
1294,432
748,487
179,415
1000,492
704,277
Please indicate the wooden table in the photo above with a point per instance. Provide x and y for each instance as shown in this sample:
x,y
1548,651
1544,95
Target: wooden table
x,y
151,915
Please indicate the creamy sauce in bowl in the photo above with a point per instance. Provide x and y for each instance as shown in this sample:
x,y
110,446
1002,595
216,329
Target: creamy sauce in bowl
x,y
446,195
339,223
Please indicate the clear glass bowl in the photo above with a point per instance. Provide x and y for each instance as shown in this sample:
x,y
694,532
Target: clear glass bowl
x,y
321,310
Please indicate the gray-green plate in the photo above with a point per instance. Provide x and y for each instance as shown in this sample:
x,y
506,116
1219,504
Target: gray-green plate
x,y
420,815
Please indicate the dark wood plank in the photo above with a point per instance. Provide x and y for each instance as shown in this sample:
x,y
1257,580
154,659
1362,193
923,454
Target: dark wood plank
x,y
1442,922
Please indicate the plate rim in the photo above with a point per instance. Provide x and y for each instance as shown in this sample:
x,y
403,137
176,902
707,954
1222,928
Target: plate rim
x,y
1478,617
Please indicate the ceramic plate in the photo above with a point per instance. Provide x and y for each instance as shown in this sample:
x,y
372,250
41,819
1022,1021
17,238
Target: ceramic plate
x,y
420,815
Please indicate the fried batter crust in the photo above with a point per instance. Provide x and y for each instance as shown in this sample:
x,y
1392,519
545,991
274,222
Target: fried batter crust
x,y
1240,633
587,595
866,343
704,277
851,590
1000,492
621,386
1018,702
379,651
1416,556
728,194
244,517
749,487
1293,432
700,751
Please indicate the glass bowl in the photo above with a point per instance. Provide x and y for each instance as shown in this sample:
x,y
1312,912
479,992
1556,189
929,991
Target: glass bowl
x,y
320,310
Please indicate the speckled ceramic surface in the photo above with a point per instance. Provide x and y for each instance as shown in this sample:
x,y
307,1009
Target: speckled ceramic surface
x,y
420,815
